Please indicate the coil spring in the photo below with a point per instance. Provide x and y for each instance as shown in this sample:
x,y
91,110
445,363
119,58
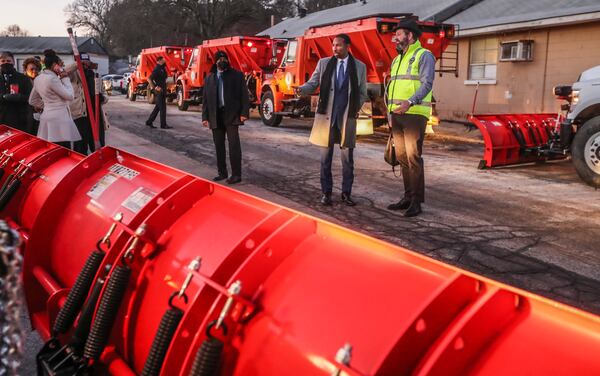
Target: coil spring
x,y
107,312
208,358
76,298
6,183
9,193
162,341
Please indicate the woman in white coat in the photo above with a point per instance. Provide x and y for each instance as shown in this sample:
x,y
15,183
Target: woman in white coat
x,y
53,92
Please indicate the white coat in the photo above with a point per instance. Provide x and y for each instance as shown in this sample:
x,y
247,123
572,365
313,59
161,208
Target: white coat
x,y
54,95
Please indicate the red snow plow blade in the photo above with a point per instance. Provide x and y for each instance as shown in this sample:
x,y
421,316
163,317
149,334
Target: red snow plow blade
x,y
517,138
135,268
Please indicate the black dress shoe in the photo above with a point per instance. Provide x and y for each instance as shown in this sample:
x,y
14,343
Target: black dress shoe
x,y
347,200
150,124
413,210
234,179
166,127
400,205
220,177
326,199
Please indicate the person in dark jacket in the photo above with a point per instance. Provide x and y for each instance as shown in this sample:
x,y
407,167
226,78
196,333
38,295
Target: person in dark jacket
x,y
15,88
32,68
157,82
225,106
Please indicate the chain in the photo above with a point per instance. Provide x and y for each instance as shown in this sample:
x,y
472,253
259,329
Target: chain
x,y
11,302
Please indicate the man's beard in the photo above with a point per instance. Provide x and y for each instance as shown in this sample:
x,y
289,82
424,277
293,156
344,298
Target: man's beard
x,y
401,45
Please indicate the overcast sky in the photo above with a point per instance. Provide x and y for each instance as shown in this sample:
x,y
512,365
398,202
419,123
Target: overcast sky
x,y
38,17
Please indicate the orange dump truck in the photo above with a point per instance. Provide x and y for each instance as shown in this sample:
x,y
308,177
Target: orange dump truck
x,y
176,57
371,44
256,57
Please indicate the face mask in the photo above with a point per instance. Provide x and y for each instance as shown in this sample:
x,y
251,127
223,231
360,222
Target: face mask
x,y
222,65
6,68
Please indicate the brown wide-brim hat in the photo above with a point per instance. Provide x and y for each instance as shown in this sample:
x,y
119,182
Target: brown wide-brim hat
x,y
410,25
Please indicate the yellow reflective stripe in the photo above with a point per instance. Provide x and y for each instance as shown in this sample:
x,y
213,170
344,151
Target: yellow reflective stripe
x,y
405,77
398,101
412,60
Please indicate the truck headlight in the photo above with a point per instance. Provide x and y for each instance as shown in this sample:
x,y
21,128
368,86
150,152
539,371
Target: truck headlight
x,y
574,97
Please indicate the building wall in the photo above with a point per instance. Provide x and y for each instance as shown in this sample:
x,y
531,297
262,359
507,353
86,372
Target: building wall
x,y
102,61
560,54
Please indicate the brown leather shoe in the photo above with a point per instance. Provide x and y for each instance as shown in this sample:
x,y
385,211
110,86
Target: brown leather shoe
x,y
413,210
400,205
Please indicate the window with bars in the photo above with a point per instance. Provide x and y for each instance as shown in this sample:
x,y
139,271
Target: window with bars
x,y
483,59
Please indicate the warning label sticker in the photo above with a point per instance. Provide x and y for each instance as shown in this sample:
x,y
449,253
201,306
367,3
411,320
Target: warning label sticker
x,y
102,185
6,134
138,199
123,171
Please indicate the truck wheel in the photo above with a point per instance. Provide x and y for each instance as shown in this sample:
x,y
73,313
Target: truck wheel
x,y
132,94
150,96
181,103
266,109
586,152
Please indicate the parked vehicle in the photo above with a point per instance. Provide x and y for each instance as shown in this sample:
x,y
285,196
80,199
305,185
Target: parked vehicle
x,y
371,44
176,57
525,138
256,57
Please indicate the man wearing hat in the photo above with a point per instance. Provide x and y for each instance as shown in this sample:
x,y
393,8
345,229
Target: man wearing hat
x,y
225,106
409,107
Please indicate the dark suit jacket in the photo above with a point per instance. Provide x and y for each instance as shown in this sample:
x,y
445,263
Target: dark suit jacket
x,y
159,76
235,92
14,108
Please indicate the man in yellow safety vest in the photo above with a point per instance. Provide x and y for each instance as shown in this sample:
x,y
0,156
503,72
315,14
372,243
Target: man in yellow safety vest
x,y
409,105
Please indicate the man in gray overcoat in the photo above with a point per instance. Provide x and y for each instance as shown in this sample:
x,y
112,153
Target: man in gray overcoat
x,y
343,90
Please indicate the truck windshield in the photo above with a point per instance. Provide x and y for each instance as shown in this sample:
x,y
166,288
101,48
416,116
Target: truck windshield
x,y
290,56
194,58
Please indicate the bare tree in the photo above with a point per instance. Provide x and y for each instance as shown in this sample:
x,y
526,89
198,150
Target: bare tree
x,y
92,16
14,31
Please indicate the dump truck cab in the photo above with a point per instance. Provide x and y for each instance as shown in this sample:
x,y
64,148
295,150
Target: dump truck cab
x,y
176,57
580,130
255,57
371,43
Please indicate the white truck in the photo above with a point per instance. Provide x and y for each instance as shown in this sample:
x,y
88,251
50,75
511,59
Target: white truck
x,y
580,131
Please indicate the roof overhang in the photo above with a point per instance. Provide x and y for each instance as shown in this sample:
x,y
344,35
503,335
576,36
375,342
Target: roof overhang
x,y
534,24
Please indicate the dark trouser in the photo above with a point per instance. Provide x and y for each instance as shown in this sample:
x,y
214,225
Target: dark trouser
x,y
347,166
160,106
64,144
235,149
409,131
87,139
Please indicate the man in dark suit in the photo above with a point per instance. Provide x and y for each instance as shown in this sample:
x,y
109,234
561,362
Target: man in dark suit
x,y
225,106
157,82
14,94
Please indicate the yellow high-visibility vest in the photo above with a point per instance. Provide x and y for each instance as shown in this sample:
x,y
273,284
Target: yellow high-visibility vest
x,y
405,81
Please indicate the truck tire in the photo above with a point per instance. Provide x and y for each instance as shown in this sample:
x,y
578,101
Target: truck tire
x,y
267,106
586,152
132,94
150,96
182,104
